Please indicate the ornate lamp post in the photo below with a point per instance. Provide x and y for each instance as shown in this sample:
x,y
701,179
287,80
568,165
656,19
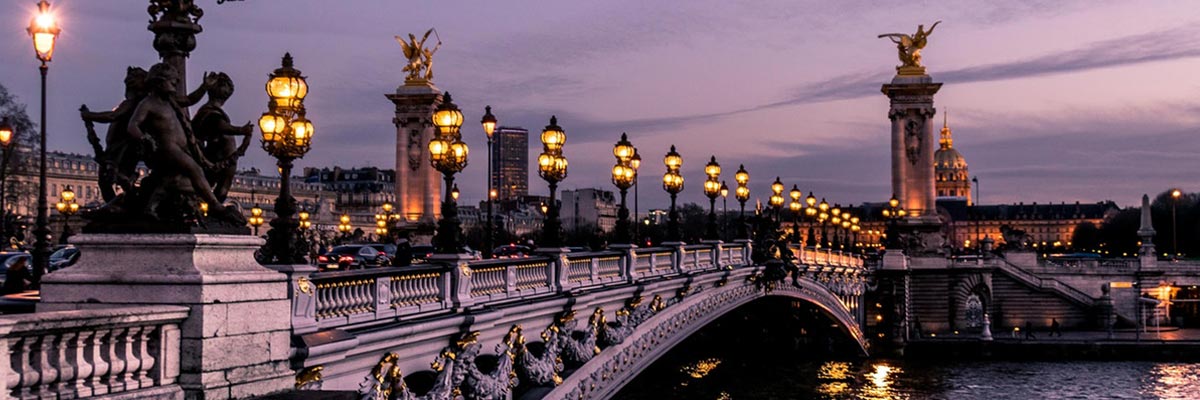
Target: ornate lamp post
x,y
489,127
256,218
835,220
823,217
712,189
67,207
854,228
810,215
776,199
1175,194
44,30
344,226
796,208
742,194
287,136
381,227
725,208
635,162
448,154
893,214
7,134
623,175
673,184
552,167
845,231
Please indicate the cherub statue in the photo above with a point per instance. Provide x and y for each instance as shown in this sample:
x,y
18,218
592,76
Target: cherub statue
x,y
909,47
215,133
172,153
420,59
119,155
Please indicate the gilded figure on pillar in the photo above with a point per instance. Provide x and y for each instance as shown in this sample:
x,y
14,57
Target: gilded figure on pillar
x,y
420,58
909,49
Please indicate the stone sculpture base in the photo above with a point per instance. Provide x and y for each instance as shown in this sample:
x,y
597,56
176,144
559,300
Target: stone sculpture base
x,y
236,339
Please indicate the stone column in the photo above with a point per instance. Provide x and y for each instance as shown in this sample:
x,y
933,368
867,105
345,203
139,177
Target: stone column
x,y
235,342
913,144
418,184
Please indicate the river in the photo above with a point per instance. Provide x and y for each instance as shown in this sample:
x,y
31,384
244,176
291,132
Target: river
x,y
782,350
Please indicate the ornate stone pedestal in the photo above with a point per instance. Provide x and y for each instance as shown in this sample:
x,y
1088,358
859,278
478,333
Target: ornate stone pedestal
x,y
235,340
418,184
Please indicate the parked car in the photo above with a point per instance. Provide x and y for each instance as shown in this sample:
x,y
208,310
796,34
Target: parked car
x,y
63,257
389,249
7,261
352,256
512,251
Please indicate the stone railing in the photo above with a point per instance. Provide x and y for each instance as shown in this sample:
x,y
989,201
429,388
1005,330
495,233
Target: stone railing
x,y
825,257
127,352
337,299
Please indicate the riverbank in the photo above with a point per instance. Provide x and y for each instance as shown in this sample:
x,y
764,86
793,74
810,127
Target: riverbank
x,y
1167,345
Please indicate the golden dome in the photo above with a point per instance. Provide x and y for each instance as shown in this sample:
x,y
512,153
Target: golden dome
x,y
947,159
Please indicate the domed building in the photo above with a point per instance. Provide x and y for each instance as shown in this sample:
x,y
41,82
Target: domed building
x,y
950,169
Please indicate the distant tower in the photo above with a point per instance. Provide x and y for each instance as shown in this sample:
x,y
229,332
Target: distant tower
x,y
510,163
950,168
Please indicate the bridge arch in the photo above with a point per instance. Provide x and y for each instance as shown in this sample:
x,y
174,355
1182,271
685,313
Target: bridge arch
x,y
616,365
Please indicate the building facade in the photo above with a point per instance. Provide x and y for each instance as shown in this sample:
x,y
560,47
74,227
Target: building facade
x,y
510,162
589,209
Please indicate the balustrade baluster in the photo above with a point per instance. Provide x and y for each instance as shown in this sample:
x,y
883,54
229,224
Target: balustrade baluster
x,y
97,356
47,373
78,356
27,362
145,359
60,362
133,363
116,364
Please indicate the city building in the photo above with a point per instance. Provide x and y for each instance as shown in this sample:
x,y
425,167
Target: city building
x,y
510,162
950,169
589,209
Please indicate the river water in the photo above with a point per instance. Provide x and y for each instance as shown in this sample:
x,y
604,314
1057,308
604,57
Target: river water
x,y
781,350
717,378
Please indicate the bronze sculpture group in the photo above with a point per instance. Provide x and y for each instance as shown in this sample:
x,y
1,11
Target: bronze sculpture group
x,y
191,162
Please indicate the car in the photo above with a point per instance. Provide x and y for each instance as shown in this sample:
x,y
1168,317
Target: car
x,y
389,249
352,256
420,253
63,257
512,251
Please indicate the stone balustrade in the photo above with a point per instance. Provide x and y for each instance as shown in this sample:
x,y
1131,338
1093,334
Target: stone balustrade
x,y
338,299
126,352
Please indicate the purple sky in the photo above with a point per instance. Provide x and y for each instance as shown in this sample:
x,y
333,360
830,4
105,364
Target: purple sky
x,y
1049,100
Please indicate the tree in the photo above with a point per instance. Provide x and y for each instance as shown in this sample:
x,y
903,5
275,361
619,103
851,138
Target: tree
x,y
25,144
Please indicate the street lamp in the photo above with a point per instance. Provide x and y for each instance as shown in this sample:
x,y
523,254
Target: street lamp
x,y
305,223
448,154
776,199
7,134
623,175
822,217
712,189
673,184
725,207
742,194
344,226
287,136
552,167
67,207
489,127
835,220
256,218
893,214
635,162
44,30
810,214
796,209
1175,194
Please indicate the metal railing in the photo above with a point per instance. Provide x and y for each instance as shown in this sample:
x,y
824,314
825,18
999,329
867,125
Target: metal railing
x,y
335,299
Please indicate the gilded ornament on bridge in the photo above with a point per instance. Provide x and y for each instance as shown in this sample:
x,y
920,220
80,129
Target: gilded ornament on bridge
x,y
909,49
420,58
304,285
309,378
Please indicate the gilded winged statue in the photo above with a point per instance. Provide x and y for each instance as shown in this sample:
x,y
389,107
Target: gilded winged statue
x,y
909,47
420,58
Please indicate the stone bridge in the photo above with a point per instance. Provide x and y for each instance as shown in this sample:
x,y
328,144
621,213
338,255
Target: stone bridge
x,y
559,325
